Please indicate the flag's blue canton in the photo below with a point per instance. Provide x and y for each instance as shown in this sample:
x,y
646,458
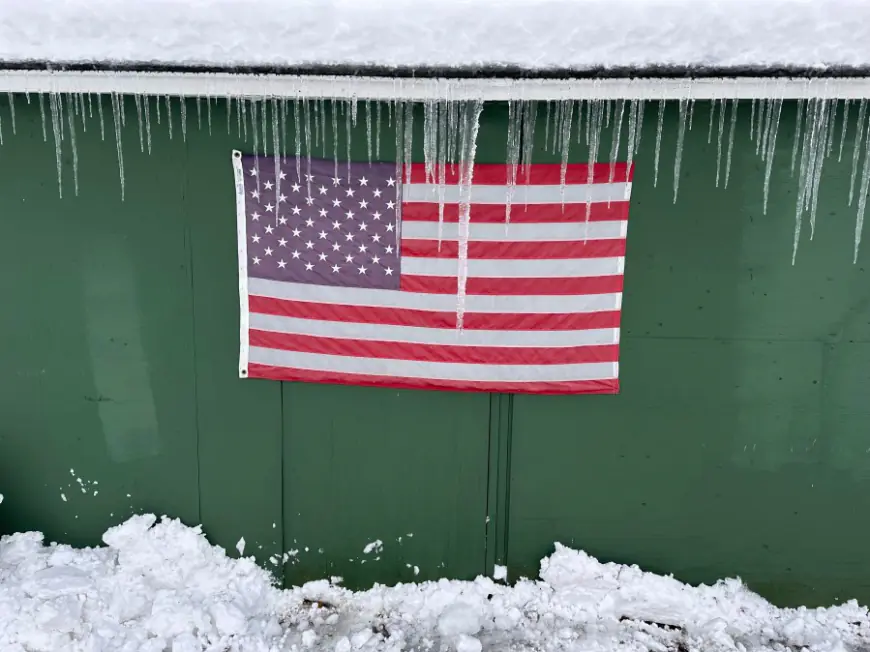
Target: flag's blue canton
x,y
323,228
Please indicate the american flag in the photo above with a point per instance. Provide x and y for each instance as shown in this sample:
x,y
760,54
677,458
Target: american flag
x,y
336,288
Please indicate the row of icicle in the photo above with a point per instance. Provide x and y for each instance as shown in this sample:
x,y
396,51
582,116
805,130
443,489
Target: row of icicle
x,y
450,136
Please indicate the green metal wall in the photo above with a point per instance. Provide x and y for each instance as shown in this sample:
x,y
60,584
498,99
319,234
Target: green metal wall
x,y
739,444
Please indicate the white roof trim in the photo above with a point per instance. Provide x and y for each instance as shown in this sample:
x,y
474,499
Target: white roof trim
x,y
389,88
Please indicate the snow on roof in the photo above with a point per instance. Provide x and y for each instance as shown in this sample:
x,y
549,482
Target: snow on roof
x,y
530,35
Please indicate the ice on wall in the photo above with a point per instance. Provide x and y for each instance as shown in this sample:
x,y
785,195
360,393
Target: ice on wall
x,y
293,130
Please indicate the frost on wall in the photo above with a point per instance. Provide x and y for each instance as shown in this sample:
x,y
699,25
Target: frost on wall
x,y
293,130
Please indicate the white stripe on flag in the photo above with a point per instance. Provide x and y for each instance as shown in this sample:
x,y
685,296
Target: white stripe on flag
x,y
419,335
516,268
475,303
434,370
531,194
519,232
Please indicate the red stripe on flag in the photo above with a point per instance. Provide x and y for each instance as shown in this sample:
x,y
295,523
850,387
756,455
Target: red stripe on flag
x,y
515,250
520,213
432,319
606,386
486,355
515,286
540,174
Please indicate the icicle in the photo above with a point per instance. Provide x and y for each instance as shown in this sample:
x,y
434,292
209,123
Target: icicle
x,y
70,114
843,131
752,120
199,112
147,102
323,127
512,156
347,131
632,135
207,112
168,114
615,140
470,126
797,133
862,200
409,139
80,99
530,119
229,113
137,100
859,136
242,111
820,154
832,124
441,164
276,155
721,135
681,138
42,117
117,111
157,108
183,105
282,107
762,110
731,131
547,123
369,129
641,111
595,118
56,108
770,144
659,142
297,126
580,105
400,165
565,138
255,133
764,130
691,112
240,118
12,110
315,123
333,109
90,105
264,122
710,126
557,126
99,98
378,131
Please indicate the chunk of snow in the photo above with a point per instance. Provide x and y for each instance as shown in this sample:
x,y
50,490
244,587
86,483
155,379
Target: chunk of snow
x,y
468,644
374,546
499,573
240,546
528,34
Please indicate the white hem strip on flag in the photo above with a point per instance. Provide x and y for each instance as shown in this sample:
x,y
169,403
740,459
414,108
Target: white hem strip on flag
x,y
242,241
434,370
421,335
474,303
531,194
517,232
519,268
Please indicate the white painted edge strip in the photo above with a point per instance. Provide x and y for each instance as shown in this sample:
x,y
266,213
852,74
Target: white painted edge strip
x,y
516,268
242,243
438,336
387,88
435,370
474,303
518,232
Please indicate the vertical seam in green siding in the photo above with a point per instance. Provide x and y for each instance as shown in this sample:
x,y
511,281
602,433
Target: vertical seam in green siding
x,y
283,536
188,231
498,481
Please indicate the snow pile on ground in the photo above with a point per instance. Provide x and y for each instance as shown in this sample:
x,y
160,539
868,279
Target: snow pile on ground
x,y
161,586
528,34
